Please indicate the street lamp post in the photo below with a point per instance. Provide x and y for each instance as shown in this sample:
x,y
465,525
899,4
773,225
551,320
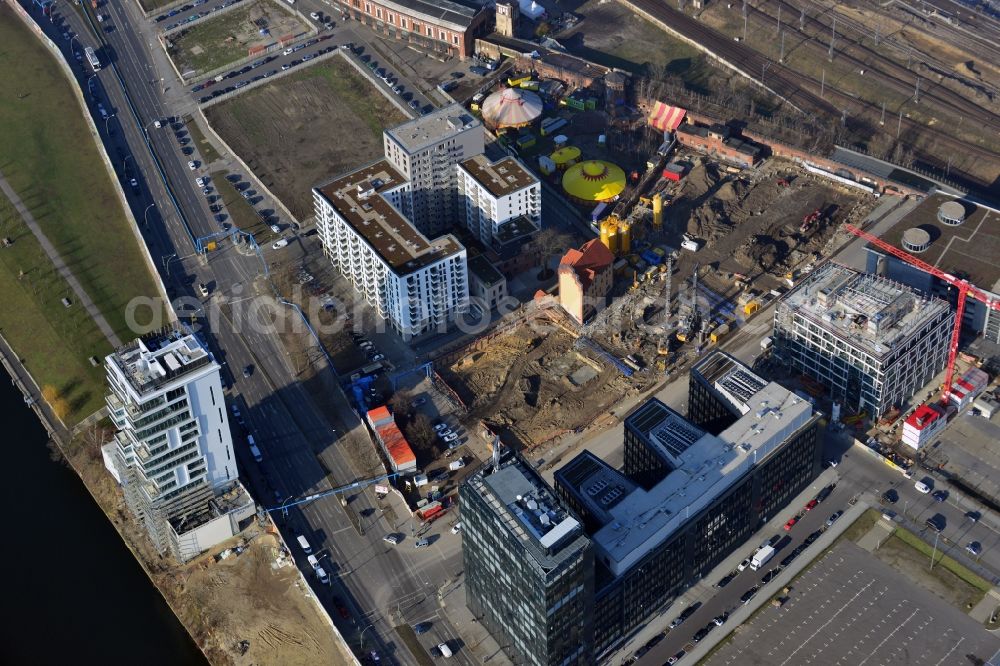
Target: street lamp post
x,y
934,552
145,215
284,509
106,121
363,635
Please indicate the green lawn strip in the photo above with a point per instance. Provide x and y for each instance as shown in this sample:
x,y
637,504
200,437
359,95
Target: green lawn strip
x,y
949,563
861,526
55,342
406,633
356,92
51,160
204,46
241,213
208,152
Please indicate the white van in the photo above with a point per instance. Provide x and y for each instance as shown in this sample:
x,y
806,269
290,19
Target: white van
x,y
254,450
303,544
922,487
322,576
313,562
444,650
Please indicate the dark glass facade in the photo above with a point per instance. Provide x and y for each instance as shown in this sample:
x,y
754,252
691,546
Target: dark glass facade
x,y
540,610
625,603
705,409
642,463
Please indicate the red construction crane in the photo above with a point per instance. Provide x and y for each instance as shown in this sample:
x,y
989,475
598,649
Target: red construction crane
x,y
963,286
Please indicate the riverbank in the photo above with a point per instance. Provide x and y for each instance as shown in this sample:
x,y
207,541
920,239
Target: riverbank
x,y
242,610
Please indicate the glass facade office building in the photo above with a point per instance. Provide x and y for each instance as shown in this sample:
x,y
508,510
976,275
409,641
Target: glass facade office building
x,y
529,567
638,537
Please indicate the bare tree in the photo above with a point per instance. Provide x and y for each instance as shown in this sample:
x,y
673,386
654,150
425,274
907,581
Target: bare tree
x,y
549,242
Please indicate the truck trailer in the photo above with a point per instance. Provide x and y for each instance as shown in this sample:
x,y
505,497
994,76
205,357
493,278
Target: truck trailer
x,y
761,557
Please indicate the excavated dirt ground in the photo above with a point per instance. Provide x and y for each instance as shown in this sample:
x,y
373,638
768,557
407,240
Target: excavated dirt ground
x,y
531,384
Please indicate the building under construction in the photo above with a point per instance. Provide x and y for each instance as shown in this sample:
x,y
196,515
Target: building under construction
x,y
870,341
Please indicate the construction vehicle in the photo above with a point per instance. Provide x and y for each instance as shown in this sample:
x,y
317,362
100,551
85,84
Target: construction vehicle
x,y
809,220
964,288
751,307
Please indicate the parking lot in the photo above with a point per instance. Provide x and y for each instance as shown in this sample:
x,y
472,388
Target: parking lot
x,y
851,609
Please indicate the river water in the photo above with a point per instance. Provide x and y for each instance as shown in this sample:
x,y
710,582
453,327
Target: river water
x,y
72,593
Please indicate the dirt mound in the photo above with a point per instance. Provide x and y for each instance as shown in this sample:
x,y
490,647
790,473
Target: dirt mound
x,y
762,251
699,181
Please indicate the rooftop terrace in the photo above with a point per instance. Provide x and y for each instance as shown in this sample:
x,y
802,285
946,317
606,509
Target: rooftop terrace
x,y
866,311
357,198
151,362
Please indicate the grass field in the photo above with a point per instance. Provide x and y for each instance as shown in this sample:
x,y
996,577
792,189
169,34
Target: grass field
x,y
306,128
214,42
56,342
612,35
208,152
242,214
51,160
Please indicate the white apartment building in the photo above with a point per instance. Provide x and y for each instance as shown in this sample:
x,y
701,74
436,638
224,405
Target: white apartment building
x,y
493,194
425,151
173,452
873,343
415,284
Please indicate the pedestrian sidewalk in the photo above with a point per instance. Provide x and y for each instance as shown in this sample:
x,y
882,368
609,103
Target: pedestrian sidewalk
x,y
877,535
60,265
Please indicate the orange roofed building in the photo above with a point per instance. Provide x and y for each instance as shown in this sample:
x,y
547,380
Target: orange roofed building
x,y
585,278
394,445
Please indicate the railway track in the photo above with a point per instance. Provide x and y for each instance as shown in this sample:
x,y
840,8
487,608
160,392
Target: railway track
x,y
876,65
798,89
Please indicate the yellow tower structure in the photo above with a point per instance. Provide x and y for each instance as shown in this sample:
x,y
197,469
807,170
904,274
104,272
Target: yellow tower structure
x,y
613,238
605,238
657,210
624,237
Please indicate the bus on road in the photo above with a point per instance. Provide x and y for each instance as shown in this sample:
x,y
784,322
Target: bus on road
x,y
95,63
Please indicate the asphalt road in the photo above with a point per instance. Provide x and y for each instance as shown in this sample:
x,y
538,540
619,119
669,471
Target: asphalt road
x,y
373,579
727,599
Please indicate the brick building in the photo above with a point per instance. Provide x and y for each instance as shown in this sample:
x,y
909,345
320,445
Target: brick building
x,y
585,278
720,141
441,26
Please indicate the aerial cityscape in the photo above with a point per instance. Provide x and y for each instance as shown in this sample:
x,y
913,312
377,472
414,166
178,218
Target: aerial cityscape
x,y
527,332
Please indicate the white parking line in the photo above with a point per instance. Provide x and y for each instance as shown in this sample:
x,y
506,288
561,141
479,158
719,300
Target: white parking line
x,y
877,647
954,647
832,618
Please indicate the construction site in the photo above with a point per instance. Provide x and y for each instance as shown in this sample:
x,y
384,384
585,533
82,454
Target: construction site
x,y
721,242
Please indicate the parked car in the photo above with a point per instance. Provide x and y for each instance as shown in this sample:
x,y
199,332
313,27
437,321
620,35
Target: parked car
x,y
247,371
974,548
940,495
833,518
422,543
791,523
391,538
744,564
720,619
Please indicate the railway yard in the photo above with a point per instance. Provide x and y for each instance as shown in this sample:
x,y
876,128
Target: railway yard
x,y
924,78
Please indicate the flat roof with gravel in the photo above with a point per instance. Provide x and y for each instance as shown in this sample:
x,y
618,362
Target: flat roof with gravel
x,y
969,249
357,198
